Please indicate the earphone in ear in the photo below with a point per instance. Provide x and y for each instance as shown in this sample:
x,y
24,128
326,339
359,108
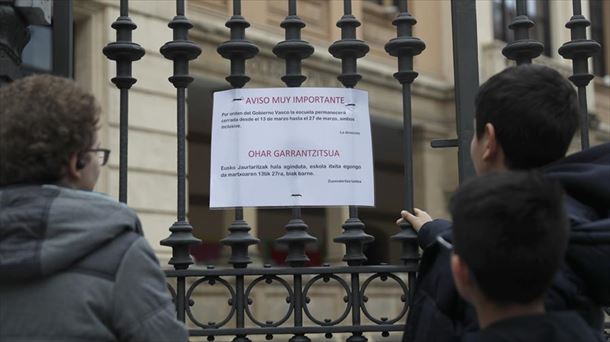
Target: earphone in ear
x,y
80,164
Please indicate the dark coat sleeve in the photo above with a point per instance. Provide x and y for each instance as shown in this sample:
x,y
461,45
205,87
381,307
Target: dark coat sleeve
x,y
429,231
437,313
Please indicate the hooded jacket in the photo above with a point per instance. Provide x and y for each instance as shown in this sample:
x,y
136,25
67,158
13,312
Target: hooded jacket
x,y
552,326
438,313
74,266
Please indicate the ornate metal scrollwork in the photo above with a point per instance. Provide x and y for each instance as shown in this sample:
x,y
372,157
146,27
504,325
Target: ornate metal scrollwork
x,y
269,279
211,281
347,299
172,292
384,277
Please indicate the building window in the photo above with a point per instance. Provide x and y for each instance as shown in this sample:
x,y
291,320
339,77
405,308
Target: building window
x,y
538,11
596,10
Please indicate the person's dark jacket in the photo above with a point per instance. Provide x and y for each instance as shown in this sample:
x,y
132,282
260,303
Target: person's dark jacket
x,y
549,327
438,313
74,266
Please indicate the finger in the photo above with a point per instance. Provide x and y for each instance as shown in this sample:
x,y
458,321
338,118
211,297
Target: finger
x,y
406,215
400,221
420,213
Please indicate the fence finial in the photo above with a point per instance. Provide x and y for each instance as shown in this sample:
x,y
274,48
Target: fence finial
x,y
579,49
237,49
522,49
293,49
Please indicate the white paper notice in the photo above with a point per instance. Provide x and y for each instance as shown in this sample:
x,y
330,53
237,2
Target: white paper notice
x,y
278,147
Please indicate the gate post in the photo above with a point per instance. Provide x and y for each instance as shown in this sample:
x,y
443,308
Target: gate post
x,y
466,82
466,78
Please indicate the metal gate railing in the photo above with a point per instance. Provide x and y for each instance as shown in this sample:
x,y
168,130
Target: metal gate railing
x,y
353,278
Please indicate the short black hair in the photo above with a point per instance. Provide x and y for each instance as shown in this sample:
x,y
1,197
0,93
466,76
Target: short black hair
x,y
534,111
44,119
511,229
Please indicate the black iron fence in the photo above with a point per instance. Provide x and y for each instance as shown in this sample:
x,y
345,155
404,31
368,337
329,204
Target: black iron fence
x,y
297,281
354,278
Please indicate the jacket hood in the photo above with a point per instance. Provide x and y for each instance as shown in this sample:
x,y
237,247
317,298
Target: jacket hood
x,y
45,229
585,177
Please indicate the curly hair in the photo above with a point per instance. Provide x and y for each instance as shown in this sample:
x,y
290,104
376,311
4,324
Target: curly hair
x,y
44,119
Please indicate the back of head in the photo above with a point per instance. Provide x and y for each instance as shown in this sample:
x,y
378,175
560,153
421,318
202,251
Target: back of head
x,y
534,111
44,119
511,230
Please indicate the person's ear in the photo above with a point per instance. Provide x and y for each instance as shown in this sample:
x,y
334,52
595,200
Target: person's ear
x,y
462,277
74,167
491,143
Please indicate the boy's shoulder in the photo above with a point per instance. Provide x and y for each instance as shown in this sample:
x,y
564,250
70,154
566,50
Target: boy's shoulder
x,y
563,326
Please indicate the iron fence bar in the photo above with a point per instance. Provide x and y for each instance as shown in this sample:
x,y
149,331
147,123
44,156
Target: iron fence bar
x,y
466,78
405,46
579,49
297,330
180,50
237,50
522,49
123,141
349,49
240,305
255,271
180,299
293,49
443,143
124,52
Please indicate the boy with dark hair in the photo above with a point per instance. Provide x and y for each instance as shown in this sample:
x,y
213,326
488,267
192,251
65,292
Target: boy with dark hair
x,y
74,265
510,234
526,117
